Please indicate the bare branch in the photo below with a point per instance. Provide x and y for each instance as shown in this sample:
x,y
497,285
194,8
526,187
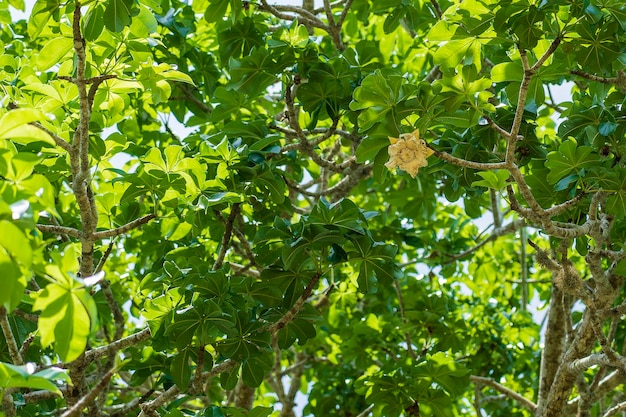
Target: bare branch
x,y
344,13
59,230
125,228
26,344
524,402
295,309
483,166
228,231
111,348
148,409
59,141
509,228
497,127
14,351
366,412
551,49
304,15
88,398
615,409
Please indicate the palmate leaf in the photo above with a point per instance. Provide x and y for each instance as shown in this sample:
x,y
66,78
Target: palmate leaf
x,y
247,341
597,45
253,370
570,158
344,215
254,73
375,262
381,97
445,371
204,320
68,313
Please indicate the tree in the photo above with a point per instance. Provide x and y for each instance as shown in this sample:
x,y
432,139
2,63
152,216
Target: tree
x,y
209,208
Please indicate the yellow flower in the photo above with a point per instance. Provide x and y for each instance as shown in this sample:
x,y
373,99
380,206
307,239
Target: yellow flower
x,y
408,152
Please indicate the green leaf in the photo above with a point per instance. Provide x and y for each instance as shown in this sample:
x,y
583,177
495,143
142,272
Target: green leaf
x,y
94,23
179,76
23,376
229,379
68,313
253,370
570,158
260,411
13,119
216,10
252,74
445,371
53,52
493,179
180,369
117,14
454,52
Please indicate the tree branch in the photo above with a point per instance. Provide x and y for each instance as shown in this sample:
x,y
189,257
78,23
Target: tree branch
x,y
111,348
228,231
59,230
295,309
509,228
615,409
482,166
14,351
524,402
148,409
88,398
125,228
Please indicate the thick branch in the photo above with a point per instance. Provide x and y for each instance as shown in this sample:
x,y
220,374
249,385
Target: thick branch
x,y
553,346
305,17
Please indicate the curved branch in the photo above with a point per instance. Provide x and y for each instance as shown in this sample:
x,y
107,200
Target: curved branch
x,y
148,409
524,402
482,166
59,230
125,228
14,351
111,348
295,309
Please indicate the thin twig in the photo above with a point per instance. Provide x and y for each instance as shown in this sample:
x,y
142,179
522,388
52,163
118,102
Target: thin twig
x,y
407,336
228,231
295,309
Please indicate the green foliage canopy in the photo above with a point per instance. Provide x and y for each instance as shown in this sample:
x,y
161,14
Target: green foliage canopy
x,y
196,218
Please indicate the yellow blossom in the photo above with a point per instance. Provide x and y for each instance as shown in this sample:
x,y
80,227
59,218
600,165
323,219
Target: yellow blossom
x,y
408,152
